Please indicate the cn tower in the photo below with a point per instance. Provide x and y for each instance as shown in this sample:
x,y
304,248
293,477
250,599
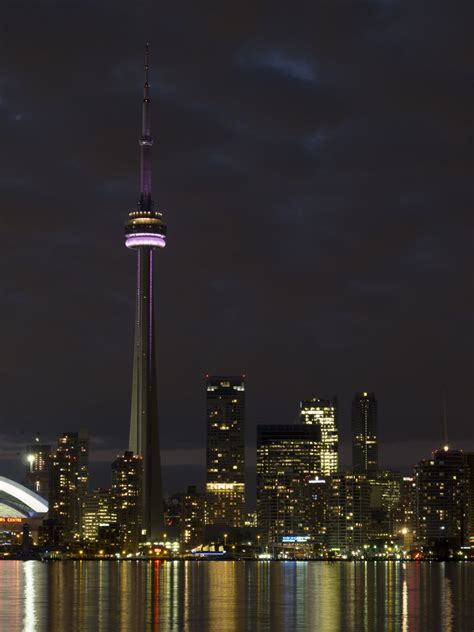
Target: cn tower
x,y
145,232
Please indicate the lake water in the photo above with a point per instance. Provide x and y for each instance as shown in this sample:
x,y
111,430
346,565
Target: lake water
x,y
236,596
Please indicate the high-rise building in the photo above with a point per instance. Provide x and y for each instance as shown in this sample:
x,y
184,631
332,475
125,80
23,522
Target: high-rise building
x,y
469,461
192,517
288,468
406,512
98,510
145,232
364,433
127,490
385,498
348,512
77,444
68,483
37,467
442,484
323,413
225,484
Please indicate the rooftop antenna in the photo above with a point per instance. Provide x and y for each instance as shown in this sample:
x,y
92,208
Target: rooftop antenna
x,y
445,422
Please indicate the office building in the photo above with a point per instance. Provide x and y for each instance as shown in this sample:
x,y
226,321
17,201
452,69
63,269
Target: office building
x,y
98,510
364,433
127,490
385,498
442,500
323,413
68,483
348,513
192,518
469,461
225,483
287,467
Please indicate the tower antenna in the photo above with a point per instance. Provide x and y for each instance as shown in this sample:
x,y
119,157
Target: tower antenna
x,y
147,68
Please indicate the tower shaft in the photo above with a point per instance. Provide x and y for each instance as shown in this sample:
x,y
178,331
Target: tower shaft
x,y
144,438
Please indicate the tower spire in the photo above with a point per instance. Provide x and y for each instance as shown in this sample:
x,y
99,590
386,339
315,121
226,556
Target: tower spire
x,y
146,142
147,68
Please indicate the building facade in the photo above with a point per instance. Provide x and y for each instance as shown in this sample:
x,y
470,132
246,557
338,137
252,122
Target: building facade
x,y
323,413
37,467
385,500
225,463
127,490
364,433
442,500
98,510
469,462
192,518
348,514
68,484
18,505
288,463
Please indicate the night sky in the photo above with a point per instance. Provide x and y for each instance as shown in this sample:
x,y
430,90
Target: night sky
x,y
314,164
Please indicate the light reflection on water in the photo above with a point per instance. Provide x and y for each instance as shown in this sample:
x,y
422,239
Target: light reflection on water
x,y
236,596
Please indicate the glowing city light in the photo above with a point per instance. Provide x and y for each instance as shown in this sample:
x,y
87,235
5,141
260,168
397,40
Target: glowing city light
x,y
135,240
30,499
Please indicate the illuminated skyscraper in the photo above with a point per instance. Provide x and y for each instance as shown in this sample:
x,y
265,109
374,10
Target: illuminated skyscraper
x,y
348,512
323,413
406,513
98,510
469,461
37,467
225,486
68,482
364,433
288,483
385,504
192,517
145,232
442,499
127,489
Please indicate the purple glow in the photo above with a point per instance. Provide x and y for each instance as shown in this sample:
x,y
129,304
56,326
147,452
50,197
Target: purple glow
x,y
134,240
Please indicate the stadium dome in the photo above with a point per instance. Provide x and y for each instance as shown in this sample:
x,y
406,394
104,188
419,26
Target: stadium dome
x,y
17,501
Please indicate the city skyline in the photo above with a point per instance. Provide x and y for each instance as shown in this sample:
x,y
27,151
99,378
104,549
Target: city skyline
x,y
302,508
285,440
318,223
316,409
195,474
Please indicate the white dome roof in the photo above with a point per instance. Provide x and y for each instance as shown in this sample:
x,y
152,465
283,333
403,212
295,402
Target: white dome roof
x,y
20,500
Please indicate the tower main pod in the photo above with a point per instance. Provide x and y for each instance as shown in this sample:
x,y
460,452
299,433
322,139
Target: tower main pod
x,y
145,231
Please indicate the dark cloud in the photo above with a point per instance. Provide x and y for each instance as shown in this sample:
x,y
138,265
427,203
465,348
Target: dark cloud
x,y
314,163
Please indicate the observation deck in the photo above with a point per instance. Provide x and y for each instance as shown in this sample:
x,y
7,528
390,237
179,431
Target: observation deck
x,y
145,228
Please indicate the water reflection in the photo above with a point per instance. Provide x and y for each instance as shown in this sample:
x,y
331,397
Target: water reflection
x,y
29,598
236,597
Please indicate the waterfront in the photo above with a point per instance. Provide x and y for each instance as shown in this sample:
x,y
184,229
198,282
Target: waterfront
x,y
236,596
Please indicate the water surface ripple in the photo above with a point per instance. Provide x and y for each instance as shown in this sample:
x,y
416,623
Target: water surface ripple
x,y
236,596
